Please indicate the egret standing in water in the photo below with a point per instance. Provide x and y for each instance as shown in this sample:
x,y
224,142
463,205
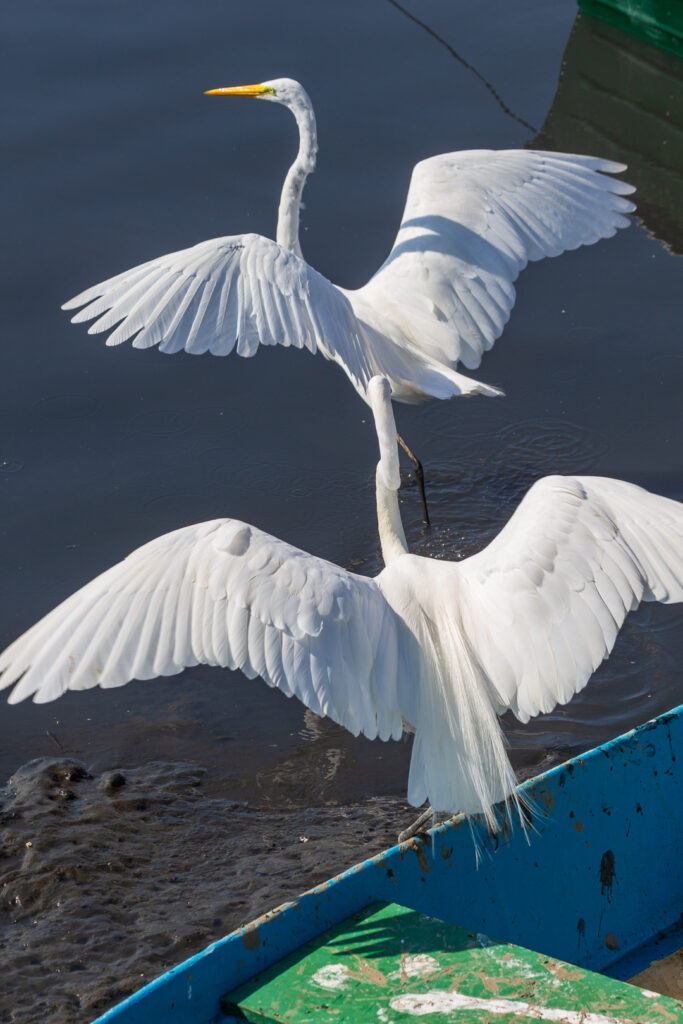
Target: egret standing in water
x,y
471,223
445,647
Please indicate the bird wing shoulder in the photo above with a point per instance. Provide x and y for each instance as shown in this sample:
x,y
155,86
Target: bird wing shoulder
x,y
225,294
543,603
472,221
223,593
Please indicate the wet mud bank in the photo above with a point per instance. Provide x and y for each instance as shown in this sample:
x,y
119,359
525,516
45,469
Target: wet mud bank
x,y
108,879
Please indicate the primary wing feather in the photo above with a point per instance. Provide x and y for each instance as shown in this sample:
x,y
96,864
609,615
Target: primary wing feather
x,y
543,603
471,223
232,293
225,593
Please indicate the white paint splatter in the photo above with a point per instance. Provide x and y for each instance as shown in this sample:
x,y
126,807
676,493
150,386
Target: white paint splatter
x,y
502,955
333,976
417,966
513,963
448,1002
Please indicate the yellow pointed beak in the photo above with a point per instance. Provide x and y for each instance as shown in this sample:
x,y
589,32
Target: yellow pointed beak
x,y
242,90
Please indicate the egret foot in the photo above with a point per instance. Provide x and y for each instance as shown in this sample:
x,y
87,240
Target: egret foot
x,y
421,824
419,476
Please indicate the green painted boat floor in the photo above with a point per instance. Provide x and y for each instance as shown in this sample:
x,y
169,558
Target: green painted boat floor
x,y
388,964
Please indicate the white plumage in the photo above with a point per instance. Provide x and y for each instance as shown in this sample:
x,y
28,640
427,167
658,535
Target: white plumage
x,y
443,646
471,223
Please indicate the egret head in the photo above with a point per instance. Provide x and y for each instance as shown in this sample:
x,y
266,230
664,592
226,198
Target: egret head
x,y
278,90
293,96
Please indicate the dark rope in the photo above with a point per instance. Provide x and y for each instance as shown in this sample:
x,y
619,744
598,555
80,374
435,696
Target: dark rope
x,y
499,100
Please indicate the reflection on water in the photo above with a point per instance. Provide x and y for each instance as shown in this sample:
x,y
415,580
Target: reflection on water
x,y
623,99
474,494
466,64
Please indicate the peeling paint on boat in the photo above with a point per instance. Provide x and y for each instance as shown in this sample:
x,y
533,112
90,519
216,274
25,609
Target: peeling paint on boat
x,y
449,1002
333,976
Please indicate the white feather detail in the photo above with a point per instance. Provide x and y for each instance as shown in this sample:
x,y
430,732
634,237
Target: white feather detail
x,y
223,593
616,545
471,223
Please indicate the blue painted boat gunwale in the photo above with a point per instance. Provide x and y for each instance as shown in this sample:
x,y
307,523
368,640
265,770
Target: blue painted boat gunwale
x,y
559,894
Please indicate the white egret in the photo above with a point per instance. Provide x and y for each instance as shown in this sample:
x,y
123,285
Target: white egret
x,y
443,646
471,223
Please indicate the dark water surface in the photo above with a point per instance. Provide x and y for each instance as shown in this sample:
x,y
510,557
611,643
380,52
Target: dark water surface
x,y
114,156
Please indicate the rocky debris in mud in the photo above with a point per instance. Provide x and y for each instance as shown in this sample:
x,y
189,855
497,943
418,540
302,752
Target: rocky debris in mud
x,y
107,880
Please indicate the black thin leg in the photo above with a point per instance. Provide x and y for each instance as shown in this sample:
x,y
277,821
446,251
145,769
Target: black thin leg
x,y
419,476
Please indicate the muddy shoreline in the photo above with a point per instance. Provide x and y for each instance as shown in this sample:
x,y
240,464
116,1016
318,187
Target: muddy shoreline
x,y
108,879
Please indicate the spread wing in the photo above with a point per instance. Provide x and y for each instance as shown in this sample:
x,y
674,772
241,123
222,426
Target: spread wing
x,y
232,293
543,603
225,593
471,223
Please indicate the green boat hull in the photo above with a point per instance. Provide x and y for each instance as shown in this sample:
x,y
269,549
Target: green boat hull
x,y
621,99
659,22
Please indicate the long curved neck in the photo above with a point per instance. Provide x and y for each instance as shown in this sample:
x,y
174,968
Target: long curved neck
x,y
388,476
290,199
391,535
